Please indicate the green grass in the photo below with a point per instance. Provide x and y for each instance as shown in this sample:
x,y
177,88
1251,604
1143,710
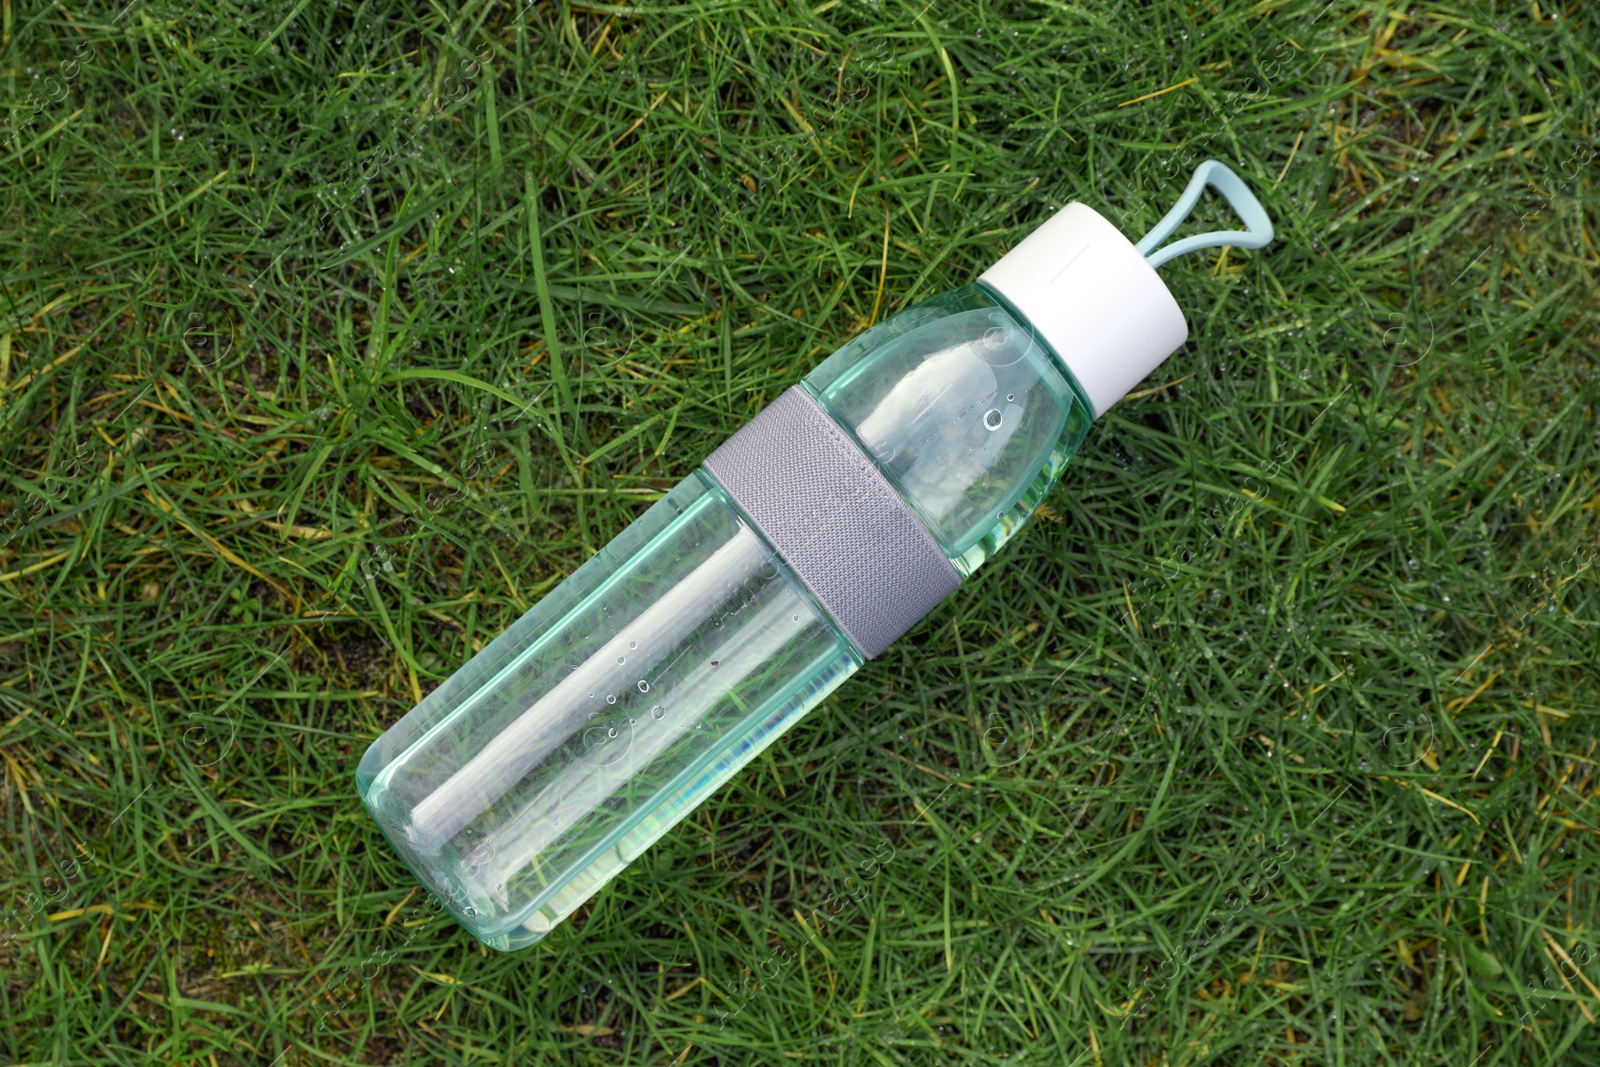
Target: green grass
x,y
333,337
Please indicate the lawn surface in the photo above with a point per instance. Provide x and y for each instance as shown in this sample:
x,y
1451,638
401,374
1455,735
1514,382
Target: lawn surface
x,y
334,335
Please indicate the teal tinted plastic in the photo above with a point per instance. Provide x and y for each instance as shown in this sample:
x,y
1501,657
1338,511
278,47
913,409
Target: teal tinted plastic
x,y
965,410
601,718
649,677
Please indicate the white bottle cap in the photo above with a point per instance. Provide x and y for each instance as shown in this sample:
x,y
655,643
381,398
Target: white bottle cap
x,y
1093,298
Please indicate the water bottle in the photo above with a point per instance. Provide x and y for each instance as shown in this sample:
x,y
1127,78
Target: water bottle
x,y
807,543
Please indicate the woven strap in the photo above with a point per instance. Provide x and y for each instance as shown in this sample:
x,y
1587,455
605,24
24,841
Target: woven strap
x,y
833,517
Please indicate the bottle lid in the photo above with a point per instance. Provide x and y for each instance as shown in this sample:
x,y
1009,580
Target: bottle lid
x,y
1093,297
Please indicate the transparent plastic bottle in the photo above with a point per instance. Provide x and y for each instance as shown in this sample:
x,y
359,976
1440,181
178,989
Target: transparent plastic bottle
x,y
665,663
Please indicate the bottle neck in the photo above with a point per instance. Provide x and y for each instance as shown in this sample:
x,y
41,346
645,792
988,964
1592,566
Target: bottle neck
x,y
1080,396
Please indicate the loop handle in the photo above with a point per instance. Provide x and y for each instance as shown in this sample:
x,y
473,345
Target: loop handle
x,y
1256,234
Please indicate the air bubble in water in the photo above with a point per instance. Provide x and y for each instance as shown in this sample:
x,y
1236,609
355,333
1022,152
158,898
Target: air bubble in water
x,y
992,419
611,699
644,686
658,712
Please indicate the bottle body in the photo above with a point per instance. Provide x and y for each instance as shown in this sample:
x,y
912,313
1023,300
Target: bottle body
x,y
601,717
665,663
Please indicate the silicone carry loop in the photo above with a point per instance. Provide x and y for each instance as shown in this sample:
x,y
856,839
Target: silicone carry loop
x,y
1256,234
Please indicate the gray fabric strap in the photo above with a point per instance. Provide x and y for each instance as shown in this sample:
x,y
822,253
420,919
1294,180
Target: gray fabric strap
x,y
837,522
